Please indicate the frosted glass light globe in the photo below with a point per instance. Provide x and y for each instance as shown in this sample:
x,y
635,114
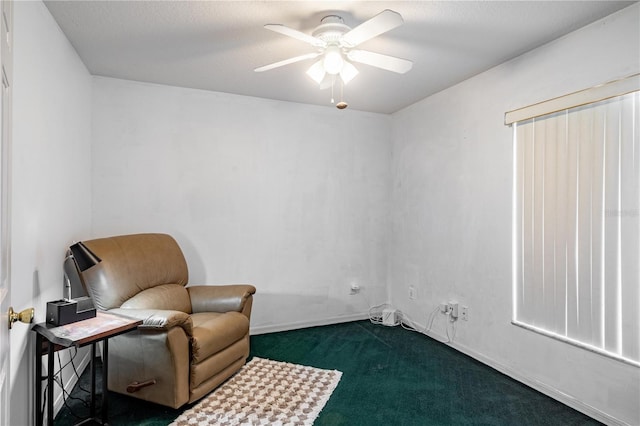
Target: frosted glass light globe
x,y
333,60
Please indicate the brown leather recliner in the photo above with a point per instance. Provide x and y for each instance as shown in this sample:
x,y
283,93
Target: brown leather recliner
x,y
191,338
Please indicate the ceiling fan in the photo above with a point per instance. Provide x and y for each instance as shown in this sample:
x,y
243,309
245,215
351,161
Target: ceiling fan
x,y
336,44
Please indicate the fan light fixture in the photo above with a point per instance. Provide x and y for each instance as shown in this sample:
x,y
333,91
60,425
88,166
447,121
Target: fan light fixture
x,y
333,61
336,42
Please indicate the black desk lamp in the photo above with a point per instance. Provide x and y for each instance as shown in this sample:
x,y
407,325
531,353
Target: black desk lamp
x,y
79,259
77,305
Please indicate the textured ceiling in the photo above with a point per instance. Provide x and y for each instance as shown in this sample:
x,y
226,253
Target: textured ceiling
x,y
215,45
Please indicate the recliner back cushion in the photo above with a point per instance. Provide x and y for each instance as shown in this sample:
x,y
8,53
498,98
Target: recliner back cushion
x,y
131,264
173,297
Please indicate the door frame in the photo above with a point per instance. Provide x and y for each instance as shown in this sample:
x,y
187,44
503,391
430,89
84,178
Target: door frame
x,y
6,88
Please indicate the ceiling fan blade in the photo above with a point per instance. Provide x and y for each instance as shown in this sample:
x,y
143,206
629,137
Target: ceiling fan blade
x,y
389,63
316,42
382,22
288,61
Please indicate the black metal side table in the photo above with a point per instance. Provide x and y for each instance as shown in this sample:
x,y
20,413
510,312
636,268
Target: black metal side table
x,y
50,338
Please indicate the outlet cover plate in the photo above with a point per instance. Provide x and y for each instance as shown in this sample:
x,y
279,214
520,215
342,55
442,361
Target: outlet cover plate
x,y
464,313
412,293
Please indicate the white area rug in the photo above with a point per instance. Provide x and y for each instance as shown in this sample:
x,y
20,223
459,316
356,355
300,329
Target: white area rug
x,y
265,392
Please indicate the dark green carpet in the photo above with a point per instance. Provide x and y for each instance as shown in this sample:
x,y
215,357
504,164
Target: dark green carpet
x,y
391,376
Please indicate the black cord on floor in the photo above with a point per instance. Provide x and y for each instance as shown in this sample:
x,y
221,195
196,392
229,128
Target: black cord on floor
x,y
66,396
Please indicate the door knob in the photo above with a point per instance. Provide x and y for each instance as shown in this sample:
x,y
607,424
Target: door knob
x,y
25,316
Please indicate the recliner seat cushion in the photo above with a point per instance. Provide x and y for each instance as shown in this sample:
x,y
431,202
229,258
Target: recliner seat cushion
x,y
213,332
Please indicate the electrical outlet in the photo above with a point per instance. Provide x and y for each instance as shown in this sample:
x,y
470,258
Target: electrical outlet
x,y
464,313
412,293
355,288
453,310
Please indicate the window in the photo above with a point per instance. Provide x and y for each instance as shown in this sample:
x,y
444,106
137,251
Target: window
x,y
576,218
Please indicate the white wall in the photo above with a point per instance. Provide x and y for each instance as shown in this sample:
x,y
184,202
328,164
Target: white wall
x,y
298,199
289,197
51,191
451,216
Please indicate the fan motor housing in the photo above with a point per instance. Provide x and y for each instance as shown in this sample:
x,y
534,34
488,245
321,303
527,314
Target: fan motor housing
x,y
331,29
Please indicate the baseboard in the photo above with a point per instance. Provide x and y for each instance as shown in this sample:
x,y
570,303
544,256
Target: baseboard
x,y
551,392
274,328
541,387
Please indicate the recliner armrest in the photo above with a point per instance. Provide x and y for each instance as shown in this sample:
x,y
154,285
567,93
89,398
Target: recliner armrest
x,y
221,298
158,319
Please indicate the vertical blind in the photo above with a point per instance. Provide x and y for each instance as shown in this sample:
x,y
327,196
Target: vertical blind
x,y
576,225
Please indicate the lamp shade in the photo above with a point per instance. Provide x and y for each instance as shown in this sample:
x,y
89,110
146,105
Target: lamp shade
x,y
348,72
84,257
316,72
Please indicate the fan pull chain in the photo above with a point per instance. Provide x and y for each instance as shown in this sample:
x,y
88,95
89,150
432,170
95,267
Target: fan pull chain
x,y
342,104
333,82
